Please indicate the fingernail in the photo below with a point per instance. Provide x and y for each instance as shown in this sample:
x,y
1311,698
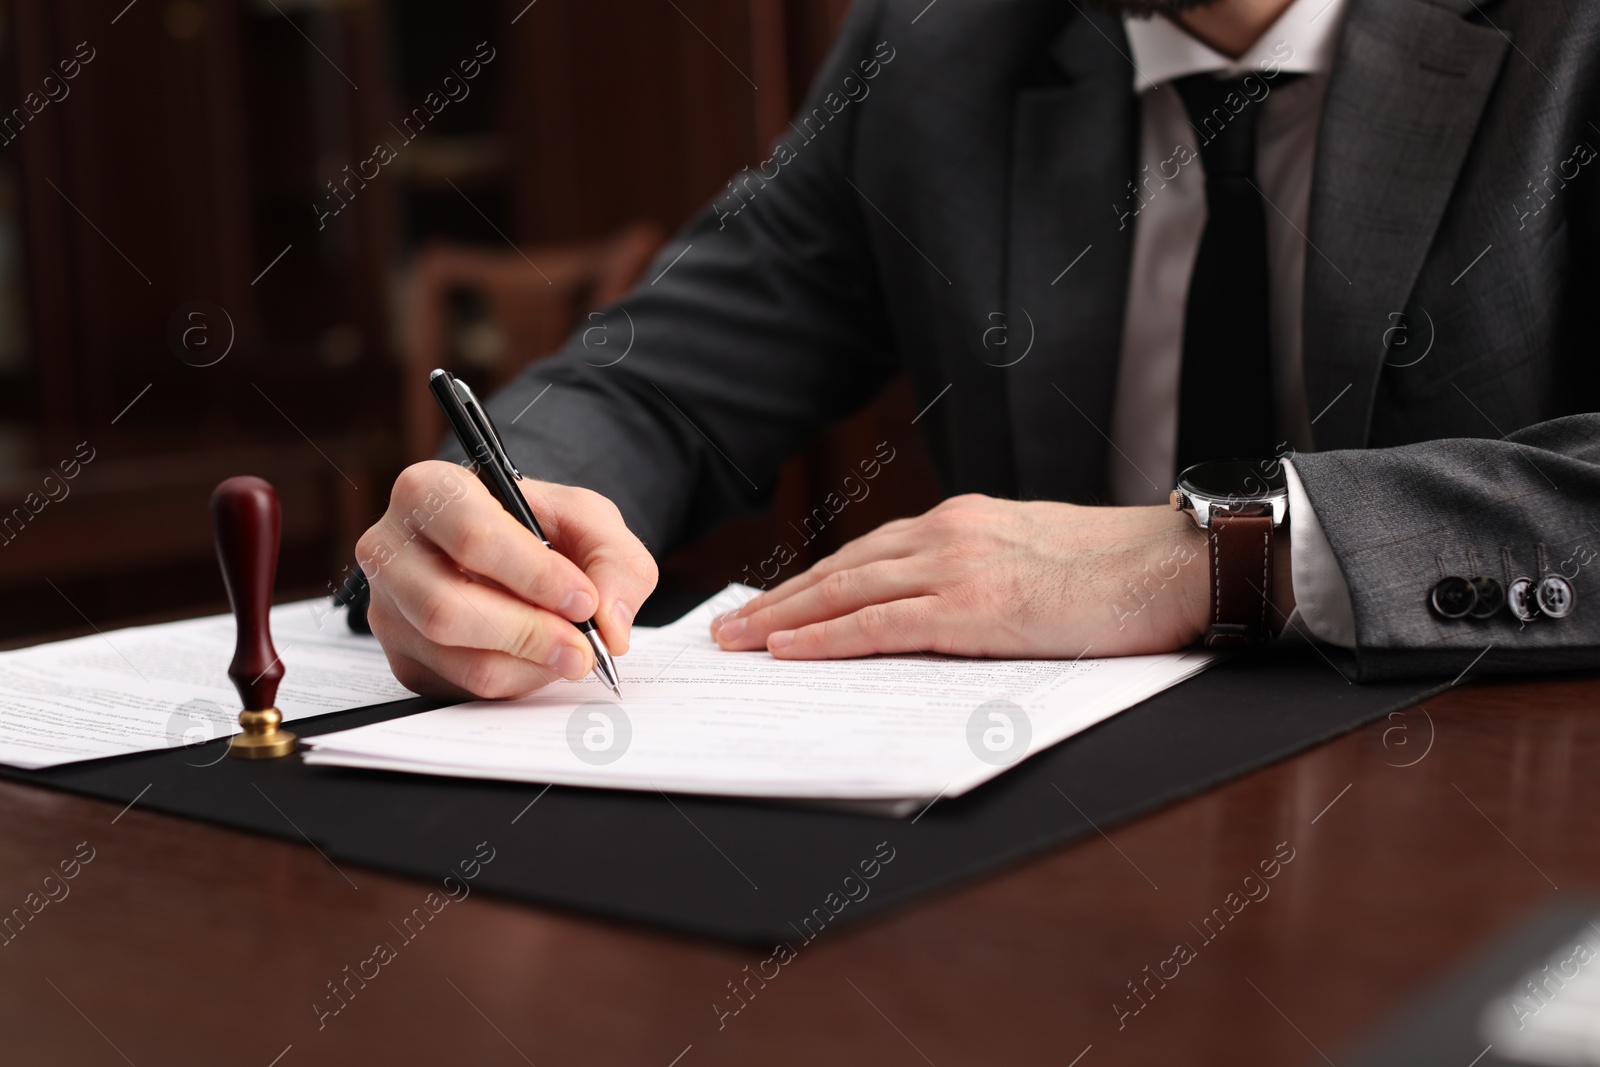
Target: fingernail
x,y
566,661
781,639
731,628
577,604
622,614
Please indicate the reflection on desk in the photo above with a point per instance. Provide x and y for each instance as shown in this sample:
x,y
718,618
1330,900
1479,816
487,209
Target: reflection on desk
x,y
1021,968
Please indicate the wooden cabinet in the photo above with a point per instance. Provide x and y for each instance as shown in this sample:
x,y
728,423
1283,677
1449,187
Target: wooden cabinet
x,y
184,316
201,236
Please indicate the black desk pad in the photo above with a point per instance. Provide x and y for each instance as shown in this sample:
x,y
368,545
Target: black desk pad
x,y
748,871
1446,1026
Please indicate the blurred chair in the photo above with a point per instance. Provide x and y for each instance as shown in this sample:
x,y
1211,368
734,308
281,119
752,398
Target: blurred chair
x,y
484,314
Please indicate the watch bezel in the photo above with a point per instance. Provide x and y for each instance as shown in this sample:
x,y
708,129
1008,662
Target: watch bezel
x,y
1199,503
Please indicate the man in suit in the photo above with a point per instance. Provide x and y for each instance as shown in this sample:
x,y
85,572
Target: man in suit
x,y
1347,242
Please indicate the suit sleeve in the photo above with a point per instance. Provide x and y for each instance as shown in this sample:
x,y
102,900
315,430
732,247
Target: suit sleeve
x,y
1399,519
1321,595
757,325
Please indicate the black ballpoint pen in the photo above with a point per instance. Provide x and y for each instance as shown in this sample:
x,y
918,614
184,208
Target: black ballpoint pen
x,y
482,443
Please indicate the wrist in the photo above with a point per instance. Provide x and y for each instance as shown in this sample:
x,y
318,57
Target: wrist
x,y
1194,582
1240,508
1150,565
1186,565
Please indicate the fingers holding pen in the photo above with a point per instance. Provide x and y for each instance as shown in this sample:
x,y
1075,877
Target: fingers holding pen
x,y
588,529
448,610
480,536
458,583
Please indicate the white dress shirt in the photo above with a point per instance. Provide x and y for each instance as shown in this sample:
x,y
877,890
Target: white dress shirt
x,y
1168,215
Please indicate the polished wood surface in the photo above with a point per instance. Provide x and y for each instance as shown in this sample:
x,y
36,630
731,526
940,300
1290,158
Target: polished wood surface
x,y
1415,840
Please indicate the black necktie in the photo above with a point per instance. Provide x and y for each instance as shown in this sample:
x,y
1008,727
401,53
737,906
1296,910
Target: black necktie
x,y
1225,395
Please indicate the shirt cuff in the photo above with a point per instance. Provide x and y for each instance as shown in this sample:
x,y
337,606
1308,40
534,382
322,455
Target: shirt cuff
x,y
1321,595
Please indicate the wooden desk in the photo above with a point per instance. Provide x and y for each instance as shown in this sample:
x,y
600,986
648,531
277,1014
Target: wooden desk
x,y
180,943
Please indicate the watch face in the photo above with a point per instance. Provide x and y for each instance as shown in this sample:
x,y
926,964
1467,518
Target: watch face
x,y
1235,479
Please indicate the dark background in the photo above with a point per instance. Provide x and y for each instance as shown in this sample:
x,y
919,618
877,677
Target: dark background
x,y
163,206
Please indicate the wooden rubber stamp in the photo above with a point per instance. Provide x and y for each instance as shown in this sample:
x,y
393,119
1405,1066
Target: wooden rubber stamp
x,y
247,521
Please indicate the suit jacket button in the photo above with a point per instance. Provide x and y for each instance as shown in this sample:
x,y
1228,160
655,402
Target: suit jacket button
x,y
1556,596
1453,597
1491,597
1520,595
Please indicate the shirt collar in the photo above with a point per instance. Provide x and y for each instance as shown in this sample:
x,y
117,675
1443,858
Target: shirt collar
x,y
1302,41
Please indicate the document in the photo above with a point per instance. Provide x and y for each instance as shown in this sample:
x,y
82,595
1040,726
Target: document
x,y
696,719
153,687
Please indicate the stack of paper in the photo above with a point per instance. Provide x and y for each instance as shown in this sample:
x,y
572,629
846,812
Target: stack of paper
x,y
153,687
696,719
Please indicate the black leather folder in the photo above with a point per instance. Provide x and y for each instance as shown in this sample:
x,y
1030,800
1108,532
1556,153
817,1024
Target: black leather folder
x,y
756,871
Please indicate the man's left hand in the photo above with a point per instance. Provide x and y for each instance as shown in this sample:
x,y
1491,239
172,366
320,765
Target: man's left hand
x,y
977,576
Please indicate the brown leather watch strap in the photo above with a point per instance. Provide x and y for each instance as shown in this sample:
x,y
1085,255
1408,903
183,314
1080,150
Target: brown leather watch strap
x,y
1241,576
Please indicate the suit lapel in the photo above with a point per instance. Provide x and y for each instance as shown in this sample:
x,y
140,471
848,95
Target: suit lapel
x,y
1066,264
1409,84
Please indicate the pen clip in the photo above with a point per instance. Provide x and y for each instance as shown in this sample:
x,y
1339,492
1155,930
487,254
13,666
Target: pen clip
x,y
486,428
442,384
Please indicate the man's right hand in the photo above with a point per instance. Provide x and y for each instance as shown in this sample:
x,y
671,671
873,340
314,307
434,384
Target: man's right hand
x,y
467,603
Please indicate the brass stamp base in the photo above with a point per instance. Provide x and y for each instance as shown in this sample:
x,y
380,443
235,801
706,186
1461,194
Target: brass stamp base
x,y
262,738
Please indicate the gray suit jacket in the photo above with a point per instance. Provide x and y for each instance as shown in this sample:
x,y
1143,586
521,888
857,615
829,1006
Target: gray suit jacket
x,y
1454,184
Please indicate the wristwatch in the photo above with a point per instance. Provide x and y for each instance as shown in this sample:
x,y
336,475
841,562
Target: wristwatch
x,y
1240,504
